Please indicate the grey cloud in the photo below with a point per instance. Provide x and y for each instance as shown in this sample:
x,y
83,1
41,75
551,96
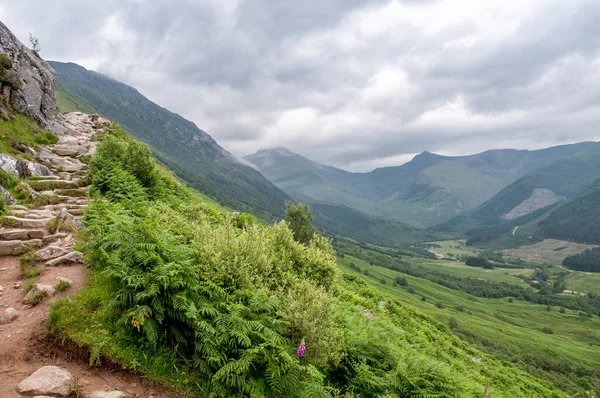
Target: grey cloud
x,y
237,67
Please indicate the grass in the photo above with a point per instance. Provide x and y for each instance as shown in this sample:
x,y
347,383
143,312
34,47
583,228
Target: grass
x,y
548,251
22,131
62,286
512,331
29,284
583,282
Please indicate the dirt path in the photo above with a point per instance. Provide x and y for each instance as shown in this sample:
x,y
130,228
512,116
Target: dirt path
x,y
24,343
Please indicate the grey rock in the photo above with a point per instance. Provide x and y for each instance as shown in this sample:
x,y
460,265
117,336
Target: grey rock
x,y
9,247
10,165
49,380
51,252
35,169
38,290
8,198
63,279
33,91
29,222
9,315
69,258
53,238
66,216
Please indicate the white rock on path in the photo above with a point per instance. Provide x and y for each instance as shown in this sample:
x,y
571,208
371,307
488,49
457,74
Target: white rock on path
x,y
51,252
37,290
9,315
49,380
108,394
69,258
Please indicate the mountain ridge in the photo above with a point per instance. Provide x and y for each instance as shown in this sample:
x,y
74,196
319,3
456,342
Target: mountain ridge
x,y
192,154
425,191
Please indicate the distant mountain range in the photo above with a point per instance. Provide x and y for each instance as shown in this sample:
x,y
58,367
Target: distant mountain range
x,y
559,180
189,152
431,189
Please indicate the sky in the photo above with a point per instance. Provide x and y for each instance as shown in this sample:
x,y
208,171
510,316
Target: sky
x,y
357,84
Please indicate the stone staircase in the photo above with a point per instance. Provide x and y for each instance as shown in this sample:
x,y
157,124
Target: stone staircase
x,y
45,233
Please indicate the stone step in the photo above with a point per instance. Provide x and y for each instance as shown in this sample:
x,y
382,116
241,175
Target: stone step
x,y
74,192
36,214
27,222
45,178
21,234
18,247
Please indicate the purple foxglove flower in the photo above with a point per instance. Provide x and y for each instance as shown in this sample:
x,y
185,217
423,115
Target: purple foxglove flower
x,y
487,385
301,349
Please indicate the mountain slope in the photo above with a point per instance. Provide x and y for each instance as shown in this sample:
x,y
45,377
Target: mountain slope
x,y
189,152
577,219
428,189
539,189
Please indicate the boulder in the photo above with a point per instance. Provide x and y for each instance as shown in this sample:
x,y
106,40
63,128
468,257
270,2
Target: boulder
x,y
10,165
9,247
66,216
38,290
35,169
22,168
67,259
8,198
15,234
49,380
63,279
9,315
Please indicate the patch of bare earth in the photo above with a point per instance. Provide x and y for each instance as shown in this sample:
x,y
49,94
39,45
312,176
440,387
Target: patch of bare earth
x,y
550,251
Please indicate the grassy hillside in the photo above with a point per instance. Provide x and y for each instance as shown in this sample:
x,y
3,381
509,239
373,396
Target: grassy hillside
x,y
185,149
576,220
216,305
565,177
556,344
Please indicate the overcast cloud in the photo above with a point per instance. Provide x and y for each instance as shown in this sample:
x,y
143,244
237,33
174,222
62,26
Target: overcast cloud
x,y
353,83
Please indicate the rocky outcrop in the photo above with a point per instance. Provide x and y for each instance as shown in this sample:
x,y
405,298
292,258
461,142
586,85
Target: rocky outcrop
x,y
23,168
30,89
540,198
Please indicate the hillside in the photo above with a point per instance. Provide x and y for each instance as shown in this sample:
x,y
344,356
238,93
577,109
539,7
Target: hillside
x,y
189,152
425,191
577,219
215,304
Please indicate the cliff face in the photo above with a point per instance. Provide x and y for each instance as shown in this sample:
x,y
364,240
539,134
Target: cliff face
x,y
27,83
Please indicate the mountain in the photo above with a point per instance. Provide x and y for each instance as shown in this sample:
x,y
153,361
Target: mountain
x,y
539,189
577,219
425,191
189,152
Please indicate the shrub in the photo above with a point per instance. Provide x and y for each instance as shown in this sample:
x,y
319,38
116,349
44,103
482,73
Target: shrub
x,y
453,323
439,304
562,310
62,286
547,330
400,281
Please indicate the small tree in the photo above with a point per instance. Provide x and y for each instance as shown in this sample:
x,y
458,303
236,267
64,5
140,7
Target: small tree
x,y
35,43
299,219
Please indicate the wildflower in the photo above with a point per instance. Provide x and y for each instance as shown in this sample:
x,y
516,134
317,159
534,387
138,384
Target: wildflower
x,y
301,349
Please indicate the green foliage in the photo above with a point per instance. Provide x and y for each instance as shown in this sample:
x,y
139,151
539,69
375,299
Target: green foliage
x,y
576,220
299,219
21,132
588,261
547,330
217,305
29,284
62,286
5,62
